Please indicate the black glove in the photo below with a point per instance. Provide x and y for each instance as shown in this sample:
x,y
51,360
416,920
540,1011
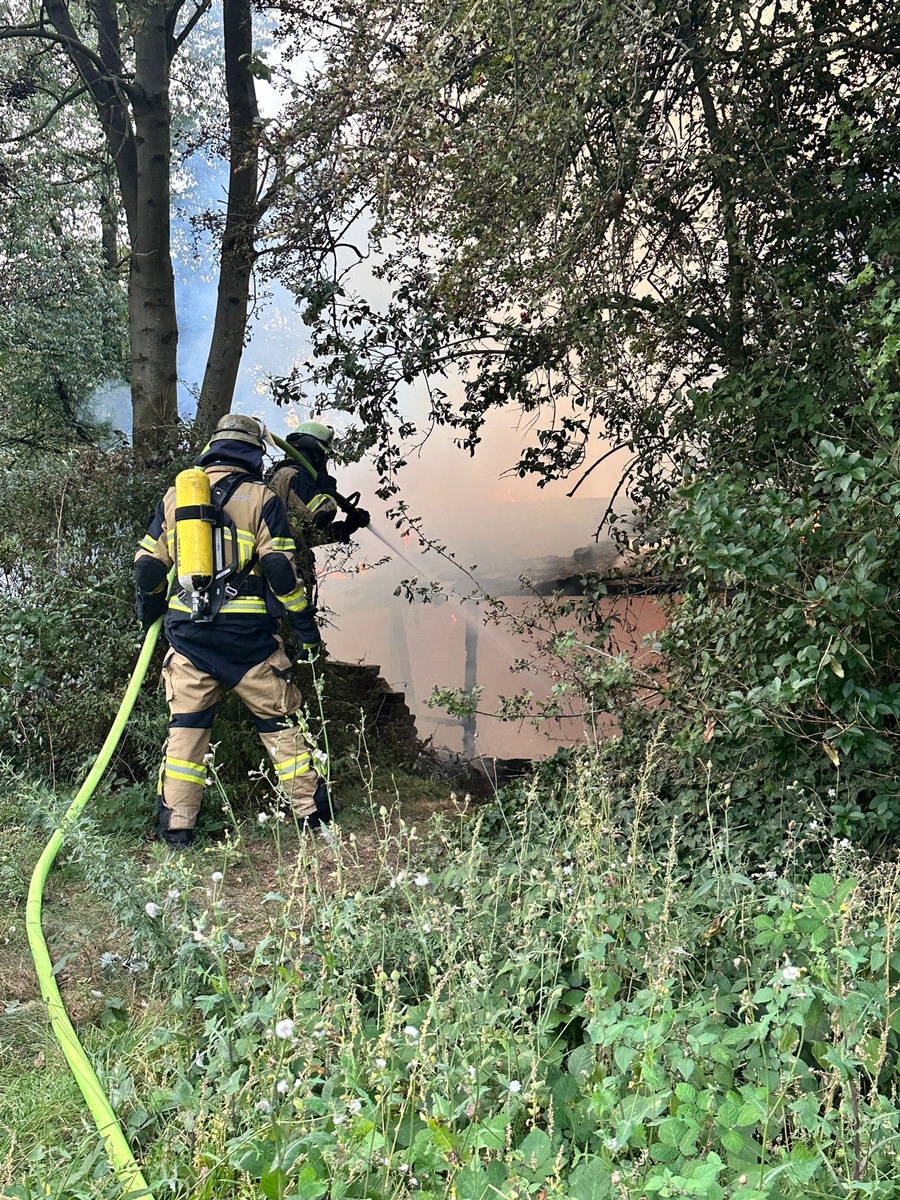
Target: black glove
x,y
312,652
151,608
306,631
356,518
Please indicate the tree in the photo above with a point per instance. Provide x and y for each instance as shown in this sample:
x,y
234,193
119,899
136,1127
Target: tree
x,y
61,305
674,224
596,210
122,58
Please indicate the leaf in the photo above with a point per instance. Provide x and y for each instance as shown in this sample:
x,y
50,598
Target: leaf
x,y
536,1152
821,886
580,1061
308,1185
590,1180
832,753
624,1056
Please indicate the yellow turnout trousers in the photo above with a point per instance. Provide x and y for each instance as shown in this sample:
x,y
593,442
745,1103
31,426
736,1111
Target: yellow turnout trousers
x,y
274,703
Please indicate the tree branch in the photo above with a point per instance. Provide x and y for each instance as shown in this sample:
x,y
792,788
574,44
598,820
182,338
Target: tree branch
x,y
199,12
57,107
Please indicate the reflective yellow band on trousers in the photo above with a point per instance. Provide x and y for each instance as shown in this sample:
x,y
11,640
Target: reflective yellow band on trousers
x,y
291,767
180,768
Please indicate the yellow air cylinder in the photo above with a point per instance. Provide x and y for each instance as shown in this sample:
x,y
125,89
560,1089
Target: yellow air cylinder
x,y
193,536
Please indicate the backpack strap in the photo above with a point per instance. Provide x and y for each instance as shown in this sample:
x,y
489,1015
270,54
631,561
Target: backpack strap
x,y
220,495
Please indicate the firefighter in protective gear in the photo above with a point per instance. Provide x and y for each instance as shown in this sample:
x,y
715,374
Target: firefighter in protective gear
x,y
311,499
237,646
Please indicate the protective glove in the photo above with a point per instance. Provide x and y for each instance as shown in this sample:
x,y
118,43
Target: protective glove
x,y
151,608
306,631
357,518
312,652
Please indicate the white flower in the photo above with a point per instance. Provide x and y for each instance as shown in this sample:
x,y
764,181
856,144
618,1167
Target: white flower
x,y
380,1063
844,843
198,935
172,894
515,1087
262,818
263,1106
790,974
355,1106
318,1033
472,1072
411,1032
152,910
339,1119
832,792
284,1029
281,1087
217,877
611,1144
426,928
421,880
616,1178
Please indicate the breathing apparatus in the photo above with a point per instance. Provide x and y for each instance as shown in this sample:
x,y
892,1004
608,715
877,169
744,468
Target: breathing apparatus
x,y
199,555
200,559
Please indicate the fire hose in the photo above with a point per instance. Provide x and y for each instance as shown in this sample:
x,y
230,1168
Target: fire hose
x,y
118,1151
117,1148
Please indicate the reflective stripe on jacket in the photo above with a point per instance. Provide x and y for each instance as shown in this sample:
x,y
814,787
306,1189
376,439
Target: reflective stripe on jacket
x,y
262,530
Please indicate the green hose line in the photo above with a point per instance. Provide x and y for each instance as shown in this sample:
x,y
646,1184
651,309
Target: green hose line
x,y
117,1147
291,452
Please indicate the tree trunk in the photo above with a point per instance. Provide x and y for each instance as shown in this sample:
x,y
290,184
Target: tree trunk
x,y
151,281
237,254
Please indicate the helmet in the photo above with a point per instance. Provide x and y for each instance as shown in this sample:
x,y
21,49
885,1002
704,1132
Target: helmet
x,y
323,434
238,428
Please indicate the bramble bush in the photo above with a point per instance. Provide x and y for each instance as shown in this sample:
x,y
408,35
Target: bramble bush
x,y
563,1012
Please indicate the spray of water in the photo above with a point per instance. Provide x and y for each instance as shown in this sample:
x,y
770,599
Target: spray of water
x,y
393,549
492,634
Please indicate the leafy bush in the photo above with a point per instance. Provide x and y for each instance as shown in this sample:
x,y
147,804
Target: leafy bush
x,y
569,1013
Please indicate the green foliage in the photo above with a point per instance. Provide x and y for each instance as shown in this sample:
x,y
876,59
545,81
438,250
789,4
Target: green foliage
x,y
565,1012
67,624
62,299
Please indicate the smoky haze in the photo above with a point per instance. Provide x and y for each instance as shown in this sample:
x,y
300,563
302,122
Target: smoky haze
x,y
496,525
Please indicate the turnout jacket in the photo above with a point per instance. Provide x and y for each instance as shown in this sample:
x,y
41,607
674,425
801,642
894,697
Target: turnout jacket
x,y
243,633
308,494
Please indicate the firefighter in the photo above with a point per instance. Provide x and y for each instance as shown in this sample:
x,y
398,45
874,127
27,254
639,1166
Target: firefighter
x,y
310,496
225,637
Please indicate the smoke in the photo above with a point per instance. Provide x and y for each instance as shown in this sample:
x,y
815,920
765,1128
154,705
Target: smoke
x,y
109,405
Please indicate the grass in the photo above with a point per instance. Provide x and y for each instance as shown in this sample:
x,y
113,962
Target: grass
x,y
518,1000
